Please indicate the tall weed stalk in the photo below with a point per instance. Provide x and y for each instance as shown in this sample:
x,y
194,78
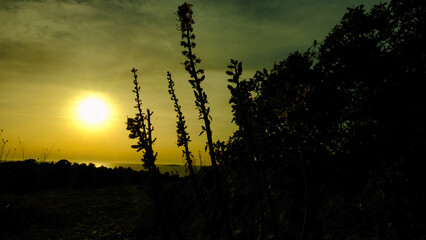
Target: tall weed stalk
x,y
22,145
197,77
3,144
183,141
141,128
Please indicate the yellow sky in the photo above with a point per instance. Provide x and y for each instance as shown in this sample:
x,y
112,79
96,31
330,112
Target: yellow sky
x,y
53,54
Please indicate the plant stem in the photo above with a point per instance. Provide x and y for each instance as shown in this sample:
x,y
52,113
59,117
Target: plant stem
x,y
143,132
183,139
185,18
302,161
242,118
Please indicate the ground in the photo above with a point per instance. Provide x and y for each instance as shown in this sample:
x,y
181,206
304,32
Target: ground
x,y
112,212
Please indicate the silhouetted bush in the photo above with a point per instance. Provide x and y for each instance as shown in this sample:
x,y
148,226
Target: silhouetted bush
x,y
332,136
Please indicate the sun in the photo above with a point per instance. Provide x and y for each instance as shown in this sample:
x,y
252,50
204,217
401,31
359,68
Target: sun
x,y
93,111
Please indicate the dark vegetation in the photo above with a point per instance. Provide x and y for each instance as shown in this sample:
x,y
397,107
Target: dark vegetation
x,y
329,141
30,176
329,146
64,200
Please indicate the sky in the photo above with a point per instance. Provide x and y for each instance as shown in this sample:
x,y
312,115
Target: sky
x,y
54,54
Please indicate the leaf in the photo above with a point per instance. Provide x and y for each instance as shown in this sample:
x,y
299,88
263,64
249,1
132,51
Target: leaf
x,y
230,73
234,79
135,146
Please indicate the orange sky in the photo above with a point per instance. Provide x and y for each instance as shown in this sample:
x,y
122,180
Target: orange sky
x,y
54,54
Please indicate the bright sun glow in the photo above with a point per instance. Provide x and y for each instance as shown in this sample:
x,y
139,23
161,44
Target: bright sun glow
x,y
93,111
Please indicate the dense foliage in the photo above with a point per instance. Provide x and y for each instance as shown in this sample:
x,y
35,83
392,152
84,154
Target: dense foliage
x,y
328,140
339,129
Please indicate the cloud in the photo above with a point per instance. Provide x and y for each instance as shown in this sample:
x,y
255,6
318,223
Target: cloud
x,y
144,31
259,33
40,36
62,49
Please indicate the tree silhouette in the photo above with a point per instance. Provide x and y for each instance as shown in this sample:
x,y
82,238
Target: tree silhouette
x,y
349,110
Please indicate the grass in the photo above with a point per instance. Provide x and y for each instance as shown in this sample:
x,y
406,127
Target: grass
x,y
112,212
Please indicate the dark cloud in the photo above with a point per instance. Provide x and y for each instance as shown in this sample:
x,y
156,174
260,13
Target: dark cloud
x,y
261,32
258,32
78,36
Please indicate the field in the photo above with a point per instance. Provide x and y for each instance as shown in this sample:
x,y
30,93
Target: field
x,y
40,200
111,212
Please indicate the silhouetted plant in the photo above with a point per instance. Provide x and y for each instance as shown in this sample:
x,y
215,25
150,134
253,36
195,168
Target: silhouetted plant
x,y
22,145
142,131
348,121
3,144
197,77
334,130
242,105
183,140
141,128
45,152
13,155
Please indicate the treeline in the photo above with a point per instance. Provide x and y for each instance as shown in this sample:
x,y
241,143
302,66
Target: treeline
x,y
329,142
31,176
